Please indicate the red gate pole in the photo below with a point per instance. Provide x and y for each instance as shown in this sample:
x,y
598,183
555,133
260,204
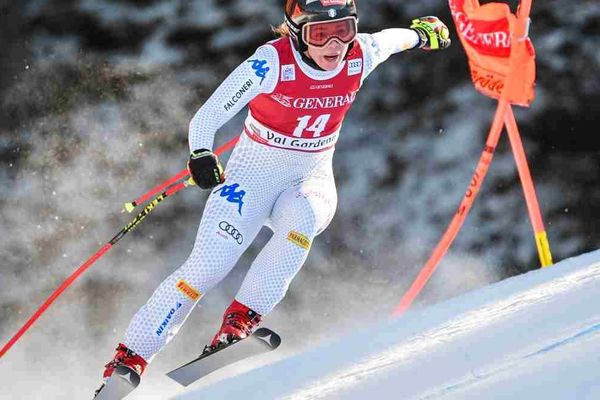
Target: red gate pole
x,y
482,168
461,214
533,207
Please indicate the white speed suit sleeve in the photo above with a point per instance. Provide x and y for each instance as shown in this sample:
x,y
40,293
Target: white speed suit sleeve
x,y
258,74
379,46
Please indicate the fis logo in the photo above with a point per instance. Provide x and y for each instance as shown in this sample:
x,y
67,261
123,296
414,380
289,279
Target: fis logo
x,y
168,318
288,73
232,195
260,70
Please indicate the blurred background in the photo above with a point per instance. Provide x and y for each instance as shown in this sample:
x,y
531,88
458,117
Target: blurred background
x,y
95,101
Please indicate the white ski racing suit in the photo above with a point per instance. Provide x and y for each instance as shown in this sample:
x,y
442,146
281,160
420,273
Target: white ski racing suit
x,y
279,175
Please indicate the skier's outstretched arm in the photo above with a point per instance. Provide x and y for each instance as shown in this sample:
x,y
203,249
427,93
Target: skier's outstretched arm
x,y
427,33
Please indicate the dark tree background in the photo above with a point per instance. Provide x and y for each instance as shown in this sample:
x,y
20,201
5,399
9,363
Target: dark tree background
x,y
95,100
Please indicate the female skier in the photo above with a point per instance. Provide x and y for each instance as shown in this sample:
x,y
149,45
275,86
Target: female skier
x,y
298,88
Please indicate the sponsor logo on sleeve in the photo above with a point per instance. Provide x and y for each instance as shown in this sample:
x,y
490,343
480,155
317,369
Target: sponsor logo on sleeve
x,y
238,95
260,68
299,239
376,49
188,290
288,73
167,319
355,66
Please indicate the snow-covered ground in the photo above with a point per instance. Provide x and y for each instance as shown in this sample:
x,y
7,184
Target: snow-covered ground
x,y
535,336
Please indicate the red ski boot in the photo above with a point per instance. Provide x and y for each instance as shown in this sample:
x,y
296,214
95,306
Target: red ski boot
x,y
239,321
129,366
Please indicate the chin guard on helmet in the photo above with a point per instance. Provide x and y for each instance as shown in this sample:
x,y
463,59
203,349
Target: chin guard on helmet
x,y
300,12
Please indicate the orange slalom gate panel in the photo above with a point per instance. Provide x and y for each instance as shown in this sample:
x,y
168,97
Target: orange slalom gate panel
x,y
486,33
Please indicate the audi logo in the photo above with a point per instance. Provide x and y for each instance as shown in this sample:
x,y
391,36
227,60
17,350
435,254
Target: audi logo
x,y
231,231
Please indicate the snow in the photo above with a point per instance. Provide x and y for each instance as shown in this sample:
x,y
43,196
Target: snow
x,y
380,235
532,336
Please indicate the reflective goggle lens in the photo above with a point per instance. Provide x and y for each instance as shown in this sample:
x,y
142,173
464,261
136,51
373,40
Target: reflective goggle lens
x,y
318,34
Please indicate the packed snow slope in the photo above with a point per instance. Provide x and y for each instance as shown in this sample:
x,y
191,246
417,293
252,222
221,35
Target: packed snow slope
x,y
534,336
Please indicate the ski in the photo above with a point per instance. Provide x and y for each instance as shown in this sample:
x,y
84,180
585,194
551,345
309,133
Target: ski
x,y
120,384
261,341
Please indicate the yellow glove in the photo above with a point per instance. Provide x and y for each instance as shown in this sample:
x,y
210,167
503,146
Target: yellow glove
x,y
433,33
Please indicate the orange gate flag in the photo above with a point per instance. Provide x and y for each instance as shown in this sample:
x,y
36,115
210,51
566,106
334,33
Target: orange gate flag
x,y
485,32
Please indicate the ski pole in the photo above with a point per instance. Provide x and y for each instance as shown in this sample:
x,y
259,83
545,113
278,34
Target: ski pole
x,y
129,207
128,228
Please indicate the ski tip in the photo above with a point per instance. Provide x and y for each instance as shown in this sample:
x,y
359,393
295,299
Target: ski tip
x,y
269,337
263,340
122,382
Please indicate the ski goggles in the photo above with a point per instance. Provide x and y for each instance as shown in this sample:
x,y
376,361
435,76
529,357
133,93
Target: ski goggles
x,y
318,34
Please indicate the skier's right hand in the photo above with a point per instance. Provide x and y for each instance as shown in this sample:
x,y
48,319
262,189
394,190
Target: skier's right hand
x,y
205,168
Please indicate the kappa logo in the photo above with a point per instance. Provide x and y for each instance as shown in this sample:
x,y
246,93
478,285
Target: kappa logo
x,y
299,239
231,231
232,195
188,290
355,66
288,73
260,70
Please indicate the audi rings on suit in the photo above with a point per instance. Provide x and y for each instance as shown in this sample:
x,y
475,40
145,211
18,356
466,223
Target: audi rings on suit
x,y
232,231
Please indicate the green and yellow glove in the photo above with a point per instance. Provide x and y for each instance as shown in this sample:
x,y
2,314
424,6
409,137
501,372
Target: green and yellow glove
x,y
433,33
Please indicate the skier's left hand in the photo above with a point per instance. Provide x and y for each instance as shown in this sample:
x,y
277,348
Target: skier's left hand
x,y
433,33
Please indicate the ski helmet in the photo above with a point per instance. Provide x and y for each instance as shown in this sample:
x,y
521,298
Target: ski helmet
x,y
300,12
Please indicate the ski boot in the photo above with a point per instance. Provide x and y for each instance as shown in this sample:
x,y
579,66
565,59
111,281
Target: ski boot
x,y
121,375
239,322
